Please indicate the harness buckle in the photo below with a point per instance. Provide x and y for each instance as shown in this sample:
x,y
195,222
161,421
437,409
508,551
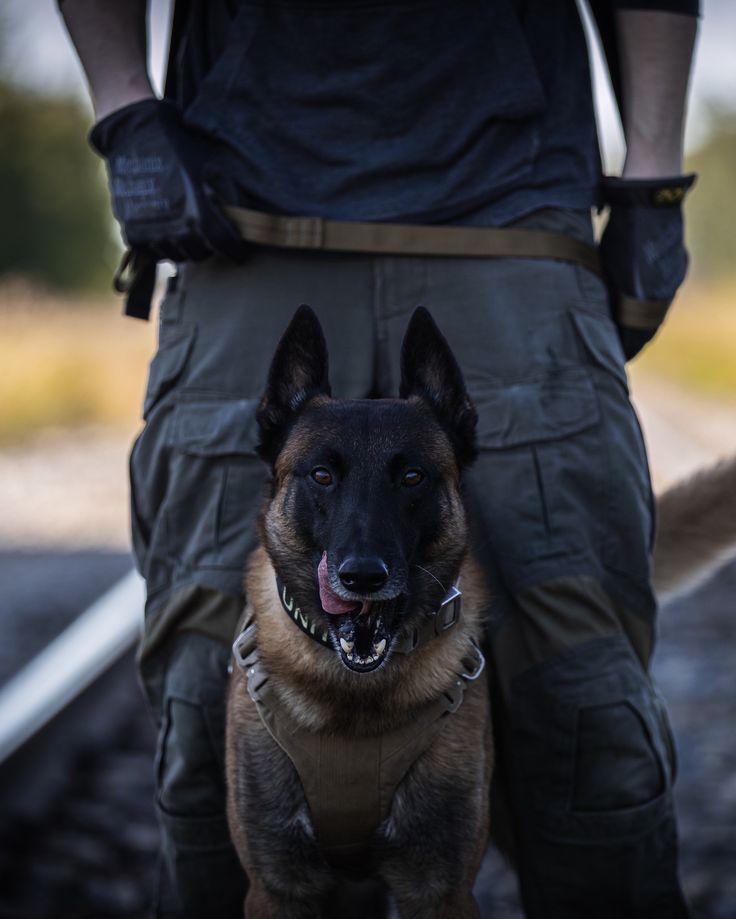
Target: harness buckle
x,y
244,645
257,679
477,663
454,695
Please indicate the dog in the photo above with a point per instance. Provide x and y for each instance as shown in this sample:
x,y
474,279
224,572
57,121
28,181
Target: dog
x,y
360,685
382,685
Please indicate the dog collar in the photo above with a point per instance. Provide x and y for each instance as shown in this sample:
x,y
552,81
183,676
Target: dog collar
x,y
441,620
308,626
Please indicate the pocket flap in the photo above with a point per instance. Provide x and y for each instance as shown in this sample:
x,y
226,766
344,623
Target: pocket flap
x,y
530,411
215,427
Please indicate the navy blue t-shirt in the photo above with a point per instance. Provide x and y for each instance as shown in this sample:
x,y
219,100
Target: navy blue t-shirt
x,y
475,111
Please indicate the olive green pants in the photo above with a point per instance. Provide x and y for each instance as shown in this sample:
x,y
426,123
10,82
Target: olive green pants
x,y
563,523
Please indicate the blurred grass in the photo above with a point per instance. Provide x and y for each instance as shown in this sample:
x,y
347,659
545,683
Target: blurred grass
x,y
696,348
68,362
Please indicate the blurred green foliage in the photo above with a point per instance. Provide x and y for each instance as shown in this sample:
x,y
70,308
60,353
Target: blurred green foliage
x,y
55,223
710,210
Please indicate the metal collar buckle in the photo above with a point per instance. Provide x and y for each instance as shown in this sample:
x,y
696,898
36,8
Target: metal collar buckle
x,y
448,613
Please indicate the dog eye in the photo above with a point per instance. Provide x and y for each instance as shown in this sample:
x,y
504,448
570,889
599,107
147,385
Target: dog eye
x,y
322,476
412,477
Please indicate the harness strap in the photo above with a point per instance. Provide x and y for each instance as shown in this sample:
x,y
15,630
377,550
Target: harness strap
x,y
409,239
641,314
349,782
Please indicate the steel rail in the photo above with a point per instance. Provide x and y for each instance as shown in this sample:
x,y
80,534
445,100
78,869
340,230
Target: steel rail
x,y
70,663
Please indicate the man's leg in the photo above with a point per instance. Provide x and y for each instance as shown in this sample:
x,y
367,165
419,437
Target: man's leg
x,y
562,501
197,485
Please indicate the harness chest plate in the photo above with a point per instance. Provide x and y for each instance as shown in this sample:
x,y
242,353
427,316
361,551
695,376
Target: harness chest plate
x,y
349,781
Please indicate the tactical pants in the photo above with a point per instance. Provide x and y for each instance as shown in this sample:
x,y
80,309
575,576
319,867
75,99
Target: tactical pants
x,y
563,522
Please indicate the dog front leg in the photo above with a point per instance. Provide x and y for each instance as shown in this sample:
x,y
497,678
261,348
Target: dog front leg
x,y
261,903
458,905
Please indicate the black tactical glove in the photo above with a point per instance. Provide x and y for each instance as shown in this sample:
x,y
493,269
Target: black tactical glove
x,y
643,253
163,194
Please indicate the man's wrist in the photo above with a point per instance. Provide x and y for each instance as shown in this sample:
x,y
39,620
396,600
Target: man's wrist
x,y
118,96
651,164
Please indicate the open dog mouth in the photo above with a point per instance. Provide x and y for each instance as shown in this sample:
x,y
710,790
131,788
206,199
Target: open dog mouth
x,y
357,627
361,638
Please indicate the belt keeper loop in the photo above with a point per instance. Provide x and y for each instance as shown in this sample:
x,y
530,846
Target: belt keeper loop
x,y
315,232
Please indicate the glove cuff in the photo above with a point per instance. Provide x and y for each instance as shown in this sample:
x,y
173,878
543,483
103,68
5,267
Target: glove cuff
x,y
102,136
659,193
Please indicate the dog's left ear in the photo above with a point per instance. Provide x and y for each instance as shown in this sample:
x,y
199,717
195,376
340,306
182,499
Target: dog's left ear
x,y
429,370
299,371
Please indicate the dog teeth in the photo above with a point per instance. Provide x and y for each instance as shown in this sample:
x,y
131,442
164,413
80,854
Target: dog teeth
x,y
347,646
380,647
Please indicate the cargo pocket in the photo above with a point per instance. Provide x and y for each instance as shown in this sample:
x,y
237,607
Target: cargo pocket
x,y
631,503
199,870
174,347
215,487
540,478
190,771
601,345
148,461
590,748
190,764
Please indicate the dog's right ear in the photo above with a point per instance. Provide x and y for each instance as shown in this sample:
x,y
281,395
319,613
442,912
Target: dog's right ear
x,y
299,371
429,370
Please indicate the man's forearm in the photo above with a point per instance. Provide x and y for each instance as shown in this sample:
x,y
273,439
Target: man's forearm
x,y
655,49
110,38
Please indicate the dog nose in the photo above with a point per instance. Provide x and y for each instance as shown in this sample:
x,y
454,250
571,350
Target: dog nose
x,y
363,574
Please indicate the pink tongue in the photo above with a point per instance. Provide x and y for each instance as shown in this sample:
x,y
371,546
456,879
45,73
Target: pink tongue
x,y
330,601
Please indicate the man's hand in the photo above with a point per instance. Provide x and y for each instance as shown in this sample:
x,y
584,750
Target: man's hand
x,y
643,253
163,194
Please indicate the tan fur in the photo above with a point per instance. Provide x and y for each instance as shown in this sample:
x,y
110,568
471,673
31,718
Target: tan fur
x,y
696,527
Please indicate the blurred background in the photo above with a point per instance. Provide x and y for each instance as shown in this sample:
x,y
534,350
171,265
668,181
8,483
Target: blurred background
x,y
77,836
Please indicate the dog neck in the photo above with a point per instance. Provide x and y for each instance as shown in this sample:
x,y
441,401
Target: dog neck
x,y
323,694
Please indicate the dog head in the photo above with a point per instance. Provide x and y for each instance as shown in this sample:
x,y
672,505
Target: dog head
x,y
366,524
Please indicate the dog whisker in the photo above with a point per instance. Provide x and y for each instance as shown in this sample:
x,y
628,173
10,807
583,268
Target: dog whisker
x,y
434,577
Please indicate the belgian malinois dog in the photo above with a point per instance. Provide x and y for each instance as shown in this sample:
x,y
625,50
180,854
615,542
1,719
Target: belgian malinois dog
x,y
359,741
358,731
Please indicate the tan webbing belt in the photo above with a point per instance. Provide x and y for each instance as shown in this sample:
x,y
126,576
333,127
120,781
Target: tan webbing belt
x,y
409,239
136,274
349,782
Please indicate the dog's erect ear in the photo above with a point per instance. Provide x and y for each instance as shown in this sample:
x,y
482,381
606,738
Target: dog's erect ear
x,y
429,370
298,372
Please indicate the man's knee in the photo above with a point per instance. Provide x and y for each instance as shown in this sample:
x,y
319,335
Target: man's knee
x,y
190,767
199,867
591,751
590,761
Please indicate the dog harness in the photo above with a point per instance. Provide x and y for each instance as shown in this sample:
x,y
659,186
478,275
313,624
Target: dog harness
x,y
349,782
